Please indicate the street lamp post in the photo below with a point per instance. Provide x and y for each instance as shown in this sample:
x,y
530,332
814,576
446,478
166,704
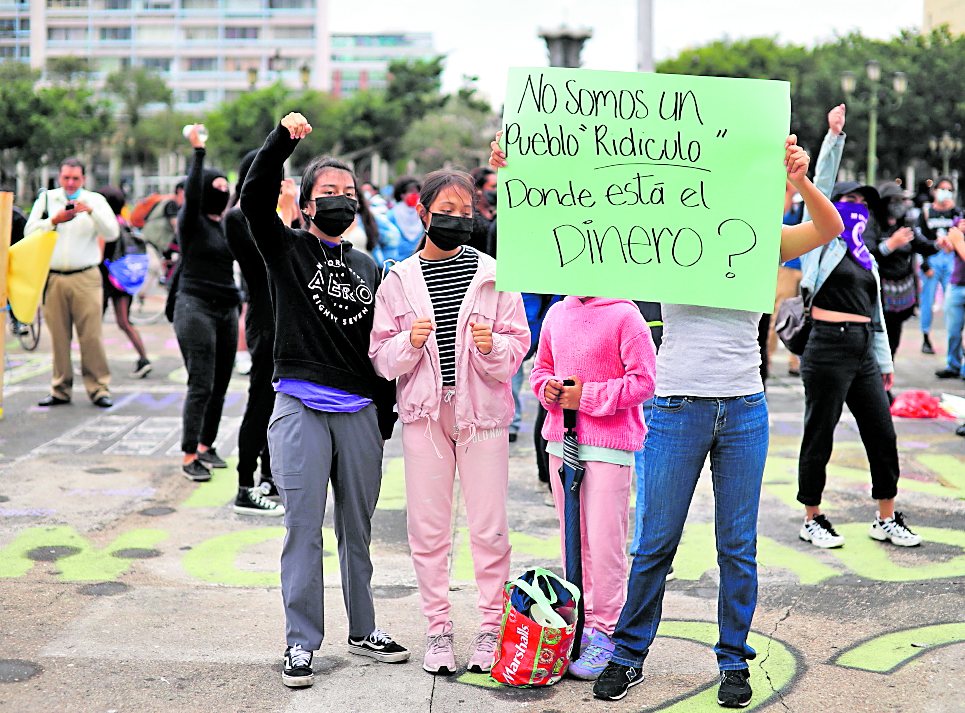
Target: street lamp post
x,y
252,77
565,44
946,147
899,84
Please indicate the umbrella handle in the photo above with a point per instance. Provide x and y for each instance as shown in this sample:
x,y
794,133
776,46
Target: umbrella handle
x,y
569,416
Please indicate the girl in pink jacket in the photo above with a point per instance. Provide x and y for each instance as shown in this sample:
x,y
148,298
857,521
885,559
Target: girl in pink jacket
x,y
454,343
604,346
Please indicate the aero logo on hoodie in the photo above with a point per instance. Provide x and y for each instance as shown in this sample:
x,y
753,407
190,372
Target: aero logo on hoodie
x,y
342,296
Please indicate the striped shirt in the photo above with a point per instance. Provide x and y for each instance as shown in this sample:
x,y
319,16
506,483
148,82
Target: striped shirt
x,y
448,281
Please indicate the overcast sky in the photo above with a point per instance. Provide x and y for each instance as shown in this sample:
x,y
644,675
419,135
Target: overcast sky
x,y
485,38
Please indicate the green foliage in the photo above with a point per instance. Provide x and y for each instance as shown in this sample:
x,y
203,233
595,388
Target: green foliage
x,y
135,88
454,135
934,65
67,70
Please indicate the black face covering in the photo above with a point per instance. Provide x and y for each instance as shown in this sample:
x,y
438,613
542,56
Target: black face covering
x,y
334,214
490,197
448,232
213,201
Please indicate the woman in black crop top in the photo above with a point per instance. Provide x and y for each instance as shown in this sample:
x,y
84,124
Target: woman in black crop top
x,y
205,313
839,366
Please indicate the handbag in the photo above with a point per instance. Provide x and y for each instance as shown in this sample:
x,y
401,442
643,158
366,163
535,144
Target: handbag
x,y
129,264
537,631
793,320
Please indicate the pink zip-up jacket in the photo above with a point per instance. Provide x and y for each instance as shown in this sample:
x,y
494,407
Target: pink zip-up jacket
x,y
484,397
607,344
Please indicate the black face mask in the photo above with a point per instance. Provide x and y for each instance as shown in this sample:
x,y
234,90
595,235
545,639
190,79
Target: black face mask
x,y
213,201
334,214
490,197
448,232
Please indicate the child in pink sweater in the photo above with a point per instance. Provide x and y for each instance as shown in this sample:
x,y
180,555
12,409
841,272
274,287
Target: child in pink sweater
x,y
605,347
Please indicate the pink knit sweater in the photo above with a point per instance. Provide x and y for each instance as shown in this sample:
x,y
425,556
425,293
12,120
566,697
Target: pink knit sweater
x,y
607,344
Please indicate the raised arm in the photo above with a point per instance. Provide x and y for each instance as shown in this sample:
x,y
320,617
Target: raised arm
x,y
825,223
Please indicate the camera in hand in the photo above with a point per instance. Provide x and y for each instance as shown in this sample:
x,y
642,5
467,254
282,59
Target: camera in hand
x,y
69,206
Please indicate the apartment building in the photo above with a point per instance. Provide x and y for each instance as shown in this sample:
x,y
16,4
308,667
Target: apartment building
x,y
208,51
944,12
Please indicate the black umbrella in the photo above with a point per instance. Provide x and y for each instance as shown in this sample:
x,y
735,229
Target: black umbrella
x,y
571,475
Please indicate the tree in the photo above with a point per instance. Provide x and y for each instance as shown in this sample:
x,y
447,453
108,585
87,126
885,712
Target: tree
x,y
67,70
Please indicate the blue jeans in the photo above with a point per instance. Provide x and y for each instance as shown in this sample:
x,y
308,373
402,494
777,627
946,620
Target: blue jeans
x,y
683,430
954,322
942,264
638,472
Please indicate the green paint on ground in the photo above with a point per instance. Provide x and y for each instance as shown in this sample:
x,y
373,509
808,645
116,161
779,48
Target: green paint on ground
x,y
392,493
222,488
951,469
871,559
771,553
478,679
525,546
89,564
885,654
214,560
774,668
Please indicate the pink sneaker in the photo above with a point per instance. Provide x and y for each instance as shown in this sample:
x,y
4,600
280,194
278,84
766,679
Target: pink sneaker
x,y
483,652
439,658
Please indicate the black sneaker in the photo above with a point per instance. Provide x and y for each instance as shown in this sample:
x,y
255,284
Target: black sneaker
x,y
615,680
379,646
926,347
947,373
735,688
252,501
196,471
267,487
211,458
960,431
141,369
297,672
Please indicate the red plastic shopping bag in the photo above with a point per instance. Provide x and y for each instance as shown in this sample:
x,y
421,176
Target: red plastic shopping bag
x,y
918,404
536,636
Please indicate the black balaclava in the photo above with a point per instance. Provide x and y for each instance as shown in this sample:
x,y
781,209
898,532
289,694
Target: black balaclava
x,y
213,201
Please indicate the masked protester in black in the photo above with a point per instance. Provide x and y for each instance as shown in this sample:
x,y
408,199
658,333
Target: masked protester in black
x,y
205,313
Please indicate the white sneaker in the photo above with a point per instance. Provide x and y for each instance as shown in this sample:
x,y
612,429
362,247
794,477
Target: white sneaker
x,y
820,533
894,529
440,657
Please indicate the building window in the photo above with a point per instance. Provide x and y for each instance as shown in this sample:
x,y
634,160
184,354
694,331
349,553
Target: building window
x,y
202,64
24,52
157,4
113,34
157,64
199,4
195,96
8,52
117,4
66,3
295,33
241,64
241,33
66,34
291,4
25,25
200,33
8,28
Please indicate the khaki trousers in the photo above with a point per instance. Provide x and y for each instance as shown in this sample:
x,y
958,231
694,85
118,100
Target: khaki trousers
x,y
75,301
788,285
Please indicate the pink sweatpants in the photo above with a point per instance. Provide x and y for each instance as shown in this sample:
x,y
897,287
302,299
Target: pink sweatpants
x,y
604,519
430,471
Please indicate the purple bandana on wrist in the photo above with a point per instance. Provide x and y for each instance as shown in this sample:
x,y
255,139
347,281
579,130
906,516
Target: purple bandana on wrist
x,y
855,217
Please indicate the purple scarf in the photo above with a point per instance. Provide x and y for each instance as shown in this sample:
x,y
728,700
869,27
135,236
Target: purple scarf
x,y
855,217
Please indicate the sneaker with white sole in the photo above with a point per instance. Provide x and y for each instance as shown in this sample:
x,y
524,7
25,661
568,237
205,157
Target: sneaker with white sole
x,y
252,501
211,458
893,529
588,633
616,679
592,661
483,647
297,671
440,657
141,369
734,690
379,646
820,532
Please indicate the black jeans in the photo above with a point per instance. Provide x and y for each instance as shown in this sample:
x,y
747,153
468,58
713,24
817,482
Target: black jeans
x,y
838,367
253,433
208,338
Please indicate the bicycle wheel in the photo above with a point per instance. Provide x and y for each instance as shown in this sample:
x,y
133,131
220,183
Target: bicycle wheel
x,y
30,338
147,306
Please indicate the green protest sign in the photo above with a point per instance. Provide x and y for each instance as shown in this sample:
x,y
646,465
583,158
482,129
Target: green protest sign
x,y
653,187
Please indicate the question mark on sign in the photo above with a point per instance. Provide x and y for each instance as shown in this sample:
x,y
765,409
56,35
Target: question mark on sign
x,y
731,256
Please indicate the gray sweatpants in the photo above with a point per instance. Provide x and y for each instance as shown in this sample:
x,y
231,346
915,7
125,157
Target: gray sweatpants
x,y
308,449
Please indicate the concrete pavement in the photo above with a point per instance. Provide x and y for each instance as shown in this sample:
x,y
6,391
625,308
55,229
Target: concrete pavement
x,y
124,587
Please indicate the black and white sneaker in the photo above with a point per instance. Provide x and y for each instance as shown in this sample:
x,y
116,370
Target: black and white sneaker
x,y
141,369
267,487
379,646
735,689
297,672
195,471
820,532
895,530
615,680
211,459
252,501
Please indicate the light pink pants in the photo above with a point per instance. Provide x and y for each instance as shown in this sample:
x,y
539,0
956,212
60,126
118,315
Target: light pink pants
x,y
604,520
430,472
